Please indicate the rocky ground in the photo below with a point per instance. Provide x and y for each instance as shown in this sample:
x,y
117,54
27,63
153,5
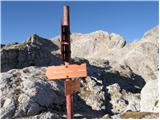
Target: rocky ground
x,y
122,78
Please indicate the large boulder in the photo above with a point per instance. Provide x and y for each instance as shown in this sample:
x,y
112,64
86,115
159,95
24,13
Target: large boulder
x,y
92,93
123,100
26,92
150,97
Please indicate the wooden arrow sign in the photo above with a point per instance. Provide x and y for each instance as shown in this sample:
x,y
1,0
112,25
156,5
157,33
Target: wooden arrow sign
x,y
66,71
72,86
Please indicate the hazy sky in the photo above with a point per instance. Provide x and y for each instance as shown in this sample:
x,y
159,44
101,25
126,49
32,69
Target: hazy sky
x,y
129,19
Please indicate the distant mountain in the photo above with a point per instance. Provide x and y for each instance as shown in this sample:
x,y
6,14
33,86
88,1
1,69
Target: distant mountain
x,y
95,43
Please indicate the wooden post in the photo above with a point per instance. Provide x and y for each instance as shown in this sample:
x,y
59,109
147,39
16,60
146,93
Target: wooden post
x,y
67,71
66,15
67,57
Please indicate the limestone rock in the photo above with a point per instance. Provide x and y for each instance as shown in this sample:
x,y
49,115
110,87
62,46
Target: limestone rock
x,y
140,56
108,90
92,93
96,43
8,108
35,51
45,115
92,44
106,117
117,72
150,97
122,100
26,92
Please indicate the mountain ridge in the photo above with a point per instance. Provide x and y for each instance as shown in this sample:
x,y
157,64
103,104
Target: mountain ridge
x,y
119,78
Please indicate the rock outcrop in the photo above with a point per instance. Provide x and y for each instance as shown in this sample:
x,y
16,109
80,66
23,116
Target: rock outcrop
x,y
150,97
142,55
95,44
123,101
26,92
35,51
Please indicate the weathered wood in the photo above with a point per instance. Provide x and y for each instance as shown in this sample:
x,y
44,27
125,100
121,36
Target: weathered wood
x,y
66,15
67,71
72,86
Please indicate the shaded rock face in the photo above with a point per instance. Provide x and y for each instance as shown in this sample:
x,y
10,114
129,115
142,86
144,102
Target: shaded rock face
x,y
120,77
35,51
108,91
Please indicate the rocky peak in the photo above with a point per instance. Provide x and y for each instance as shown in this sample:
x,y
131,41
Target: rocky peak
x,y
35,51
151,32
99,35
96,43
33,38
151,35
93,44
37,40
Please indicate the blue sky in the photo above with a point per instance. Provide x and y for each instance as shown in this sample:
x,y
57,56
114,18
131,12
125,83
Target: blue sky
x,y
129,19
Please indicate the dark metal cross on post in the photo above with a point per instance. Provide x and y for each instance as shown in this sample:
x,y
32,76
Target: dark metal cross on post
x,y
67,71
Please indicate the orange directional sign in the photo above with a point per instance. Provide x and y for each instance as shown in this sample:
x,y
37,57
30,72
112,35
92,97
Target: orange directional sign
x,y
72,86
66,71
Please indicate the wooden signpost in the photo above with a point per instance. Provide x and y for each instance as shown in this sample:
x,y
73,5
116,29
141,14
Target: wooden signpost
x,y
72,86
67,71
